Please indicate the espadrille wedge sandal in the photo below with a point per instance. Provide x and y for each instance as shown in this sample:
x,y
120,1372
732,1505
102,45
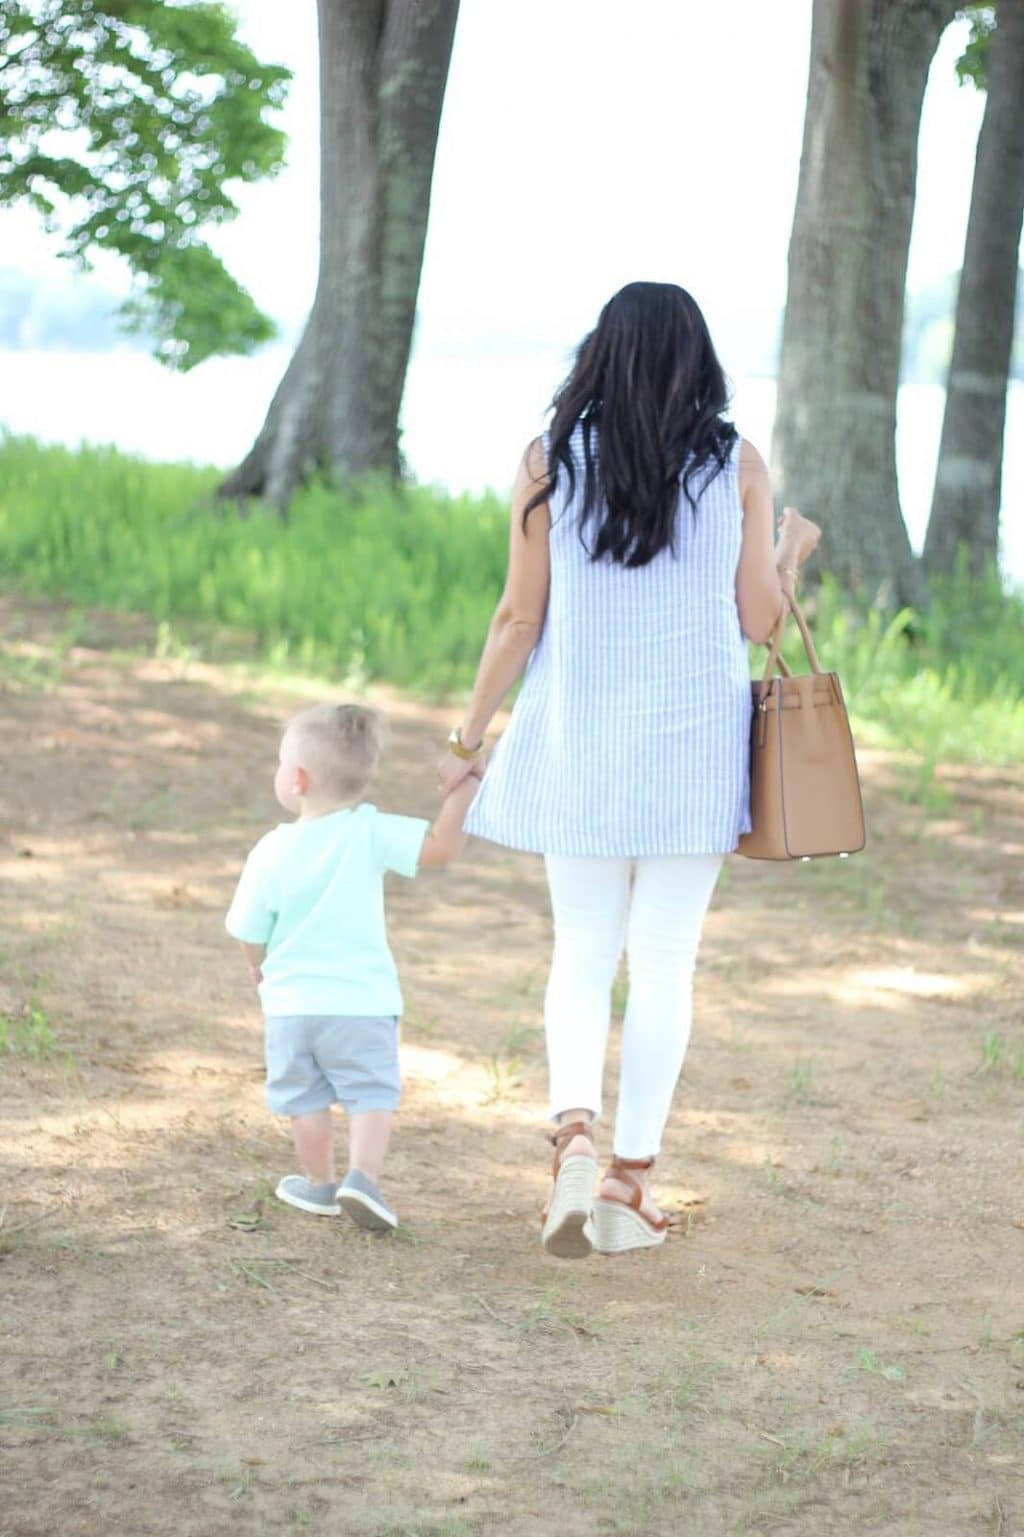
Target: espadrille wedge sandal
x,y
567,1230
619,1223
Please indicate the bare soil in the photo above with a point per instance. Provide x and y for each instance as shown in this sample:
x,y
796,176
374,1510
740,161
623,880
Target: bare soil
x,y
831,1341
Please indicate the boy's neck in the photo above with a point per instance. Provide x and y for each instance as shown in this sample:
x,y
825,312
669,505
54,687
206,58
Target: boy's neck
x,y
311,808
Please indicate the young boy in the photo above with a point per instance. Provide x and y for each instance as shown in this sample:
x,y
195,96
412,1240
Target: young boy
x,y
309,910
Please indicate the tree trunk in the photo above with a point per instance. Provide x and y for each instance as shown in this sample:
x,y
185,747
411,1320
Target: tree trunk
x,y
965,507
383,70
834,448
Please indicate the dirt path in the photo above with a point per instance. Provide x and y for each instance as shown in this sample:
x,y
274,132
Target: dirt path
x,y
832,1340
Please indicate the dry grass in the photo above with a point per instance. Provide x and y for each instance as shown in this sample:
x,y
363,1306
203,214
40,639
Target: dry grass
x,y
831,1341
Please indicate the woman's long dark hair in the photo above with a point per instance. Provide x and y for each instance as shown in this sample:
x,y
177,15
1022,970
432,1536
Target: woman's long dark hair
x,y
649,392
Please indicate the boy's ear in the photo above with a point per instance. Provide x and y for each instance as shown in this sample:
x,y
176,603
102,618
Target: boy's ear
x,y
300,780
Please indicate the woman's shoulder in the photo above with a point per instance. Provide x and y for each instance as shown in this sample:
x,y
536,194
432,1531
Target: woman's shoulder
x,y
750,466
532,489
535,456
537,453
749,457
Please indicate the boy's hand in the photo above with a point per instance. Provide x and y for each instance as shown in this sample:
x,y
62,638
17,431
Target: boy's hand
x,y
446,839
254,956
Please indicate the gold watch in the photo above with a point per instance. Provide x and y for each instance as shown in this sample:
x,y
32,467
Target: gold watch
x,y
459,748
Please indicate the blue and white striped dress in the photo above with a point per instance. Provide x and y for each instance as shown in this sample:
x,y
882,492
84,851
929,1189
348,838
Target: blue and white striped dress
x,y
631,732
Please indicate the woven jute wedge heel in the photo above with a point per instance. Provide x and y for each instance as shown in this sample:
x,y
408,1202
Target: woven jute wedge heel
x,y
567,1230
619,1224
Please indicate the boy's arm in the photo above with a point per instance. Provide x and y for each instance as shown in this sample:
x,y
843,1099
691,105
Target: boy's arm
x,y
251,917
254,954
445,841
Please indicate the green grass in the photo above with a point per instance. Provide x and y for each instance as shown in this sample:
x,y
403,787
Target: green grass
x,y
399,585
800,1081
27,1033
24,1415
947,684
869,1362
997,1059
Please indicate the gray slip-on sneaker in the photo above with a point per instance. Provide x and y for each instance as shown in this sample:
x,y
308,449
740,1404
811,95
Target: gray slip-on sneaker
x,y
364,1203
321,1200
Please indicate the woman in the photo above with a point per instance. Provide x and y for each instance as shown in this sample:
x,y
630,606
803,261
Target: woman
x,y
641,554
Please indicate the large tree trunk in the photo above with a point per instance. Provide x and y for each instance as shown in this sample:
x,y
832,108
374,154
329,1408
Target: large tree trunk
x,y
834,448
965,507
383,70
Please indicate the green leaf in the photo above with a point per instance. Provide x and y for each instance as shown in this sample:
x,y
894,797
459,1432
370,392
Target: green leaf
x,y
126,124
972,65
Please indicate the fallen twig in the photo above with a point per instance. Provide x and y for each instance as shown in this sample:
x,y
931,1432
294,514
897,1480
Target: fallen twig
x,y
251,1274
19,1227
316,1280
290,1263
366,1435
553,1451
496,1316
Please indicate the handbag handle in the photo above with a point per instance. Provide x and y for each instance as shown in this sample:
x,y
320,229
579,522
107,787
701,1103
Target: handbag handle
x,y
775,659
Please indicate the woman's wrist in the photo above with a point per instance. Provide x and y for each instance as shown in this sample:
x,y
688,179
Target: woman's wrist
x,y
786,556
473,728
464,745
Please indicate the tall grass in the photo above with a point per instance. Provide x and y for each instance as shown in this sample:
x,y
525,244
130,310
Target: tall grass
x,y
400,585
947,683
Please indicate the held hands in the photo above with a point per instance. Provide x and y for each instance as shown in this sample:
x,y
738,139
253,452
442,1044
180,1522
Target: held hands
x,y
452,770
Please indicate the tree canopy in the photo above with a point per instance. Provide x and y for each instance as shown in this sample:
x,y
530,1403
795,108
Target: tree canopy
x,y
124,123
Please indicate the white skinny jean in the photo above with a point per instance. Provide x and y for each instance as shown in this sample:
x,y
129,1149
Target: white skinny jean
x,y
660,923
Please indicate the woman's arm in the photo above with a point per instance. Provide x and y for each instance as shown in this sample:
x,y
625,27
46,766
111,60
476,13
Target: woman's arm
x,y
766,575
519,616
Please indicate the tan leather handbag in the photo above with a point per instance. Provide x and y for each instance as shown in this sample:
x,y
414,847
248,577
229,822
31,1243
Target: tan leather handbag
x,y
805,798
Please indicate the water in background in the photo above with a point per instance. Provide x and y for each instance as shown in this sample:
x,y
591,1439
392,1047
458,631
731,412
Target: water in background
x,y
467,416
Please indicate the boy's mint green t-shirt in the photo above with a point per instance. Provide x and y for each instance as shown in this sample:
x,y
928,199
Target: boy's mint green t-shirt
x,y
313,892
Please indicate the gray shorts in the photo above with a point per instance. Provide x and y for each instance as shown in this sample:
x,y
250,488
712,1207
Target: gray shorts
x,y
317,1060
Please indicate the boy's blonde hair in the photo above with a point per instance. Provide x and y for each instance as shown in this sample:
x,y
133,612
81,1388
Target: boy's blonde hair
x,y
337,745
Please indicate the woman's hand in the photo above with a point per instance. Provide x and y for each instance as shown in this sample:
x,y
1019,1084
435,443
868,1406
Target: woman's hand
x,y
797,542
798,538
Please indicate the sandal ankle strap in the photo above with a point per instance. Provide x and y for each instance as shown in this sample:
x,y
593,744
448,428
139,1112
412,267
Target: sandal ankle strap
x,y
620,1169
569,1129
563,1135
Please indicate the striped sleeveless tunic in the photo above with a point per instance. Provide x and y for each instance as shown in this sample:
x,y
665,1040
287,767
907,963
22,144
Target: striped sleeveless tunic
x,y
631,732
